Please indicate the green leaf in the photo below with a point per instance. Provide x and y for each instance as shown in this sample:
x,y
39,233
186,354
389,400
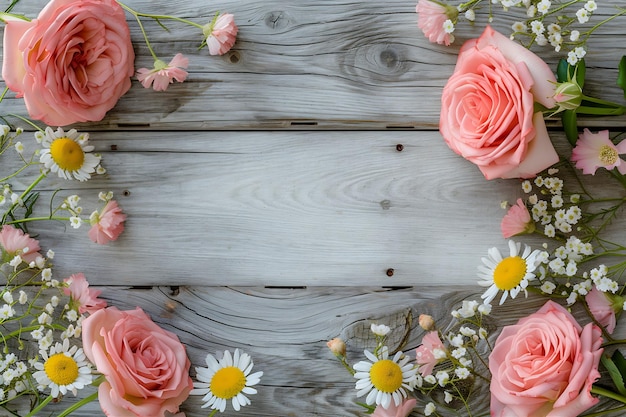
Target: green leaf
x,y
561,71
619,361
565,72
614,371
621,75
568,119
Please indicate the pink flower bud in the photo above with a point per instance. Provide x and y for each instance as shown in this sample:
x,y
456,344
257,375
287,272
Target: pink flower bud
x,y
426,322
337,346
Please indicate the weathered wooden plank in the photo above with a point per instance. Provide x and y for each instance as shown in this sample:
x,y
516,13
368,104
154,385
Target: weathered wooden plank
x,y
285,331
284,208
326,64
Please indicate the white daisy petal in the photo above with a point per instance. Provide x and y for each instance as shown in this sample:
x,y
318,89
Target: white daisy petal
x,y
226,379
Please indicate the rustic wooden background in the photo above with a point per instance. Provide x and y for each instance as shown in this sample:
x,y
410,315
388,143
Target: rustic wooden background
x,y
296,189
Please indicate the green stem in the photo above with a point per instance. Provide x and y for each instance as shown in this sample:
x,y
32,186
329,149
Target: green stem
x,y
143,31
159,17
601,413
25,120
24,194
606,393
79,404
213,413
4,17
40,406
608,19
35,219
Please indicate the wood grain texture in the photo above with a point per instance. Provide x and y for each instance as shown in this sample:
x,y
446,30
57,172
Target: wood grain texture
x,y
268,199
327,64
285,331
286,209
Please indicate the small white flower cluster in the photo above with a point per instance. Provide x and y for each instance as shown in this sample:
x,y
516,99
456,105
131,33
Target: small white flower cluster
x,y
455,359
558,33
14,377
555,213
71,205
39,316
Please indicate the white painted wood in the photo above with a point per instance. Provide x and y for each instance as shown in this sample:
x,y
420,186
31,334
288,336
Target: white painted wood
x,y
287,209
276,166
338,64
285,331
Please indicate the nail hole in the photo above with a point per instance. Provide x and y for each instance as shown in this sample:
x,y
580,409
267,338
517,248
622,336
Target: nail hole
x,y
126,193
390,272
399,147
114,147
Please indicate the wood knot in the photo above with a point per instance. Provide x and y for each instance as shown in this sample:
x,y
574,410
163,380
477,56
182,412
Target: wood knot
x,y
234,57
276,20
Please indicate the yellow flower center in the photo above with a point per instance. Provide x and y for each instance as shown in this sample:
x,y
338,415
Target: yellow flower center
x,y
61,369
67,154
608,155
228,382
386,376
509,273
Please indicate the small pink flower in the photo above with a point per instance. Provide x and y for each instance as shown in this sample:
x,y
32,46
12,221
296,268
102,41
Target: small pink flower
x,y
595,150
601,309
221,34
80,293
517,221
403,410
107,225
162,75
424,354
15,242
431,18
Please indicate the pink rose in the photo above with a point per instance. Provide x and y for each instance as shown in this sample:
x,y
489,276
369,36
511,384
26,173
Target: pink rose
x,y
72,63
146,368
487,110
545,365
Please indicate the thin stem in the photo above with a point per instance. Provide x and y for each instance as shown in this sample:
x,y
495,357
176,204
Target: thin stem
x,y
27,121
159,17
76,406
143,31
11,16
36,219
606,393
25,193
40,406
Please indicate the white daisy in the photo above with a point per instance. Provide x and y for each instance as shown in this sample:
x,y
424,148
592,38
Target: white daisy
x,y
384,379
510,274
226,379
68,154
64,369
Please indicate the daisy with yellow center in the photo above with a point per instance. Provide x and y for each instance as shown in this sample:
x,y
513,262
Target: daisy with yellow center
x,y
226,379
384,379
68,154
64,369
507,274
